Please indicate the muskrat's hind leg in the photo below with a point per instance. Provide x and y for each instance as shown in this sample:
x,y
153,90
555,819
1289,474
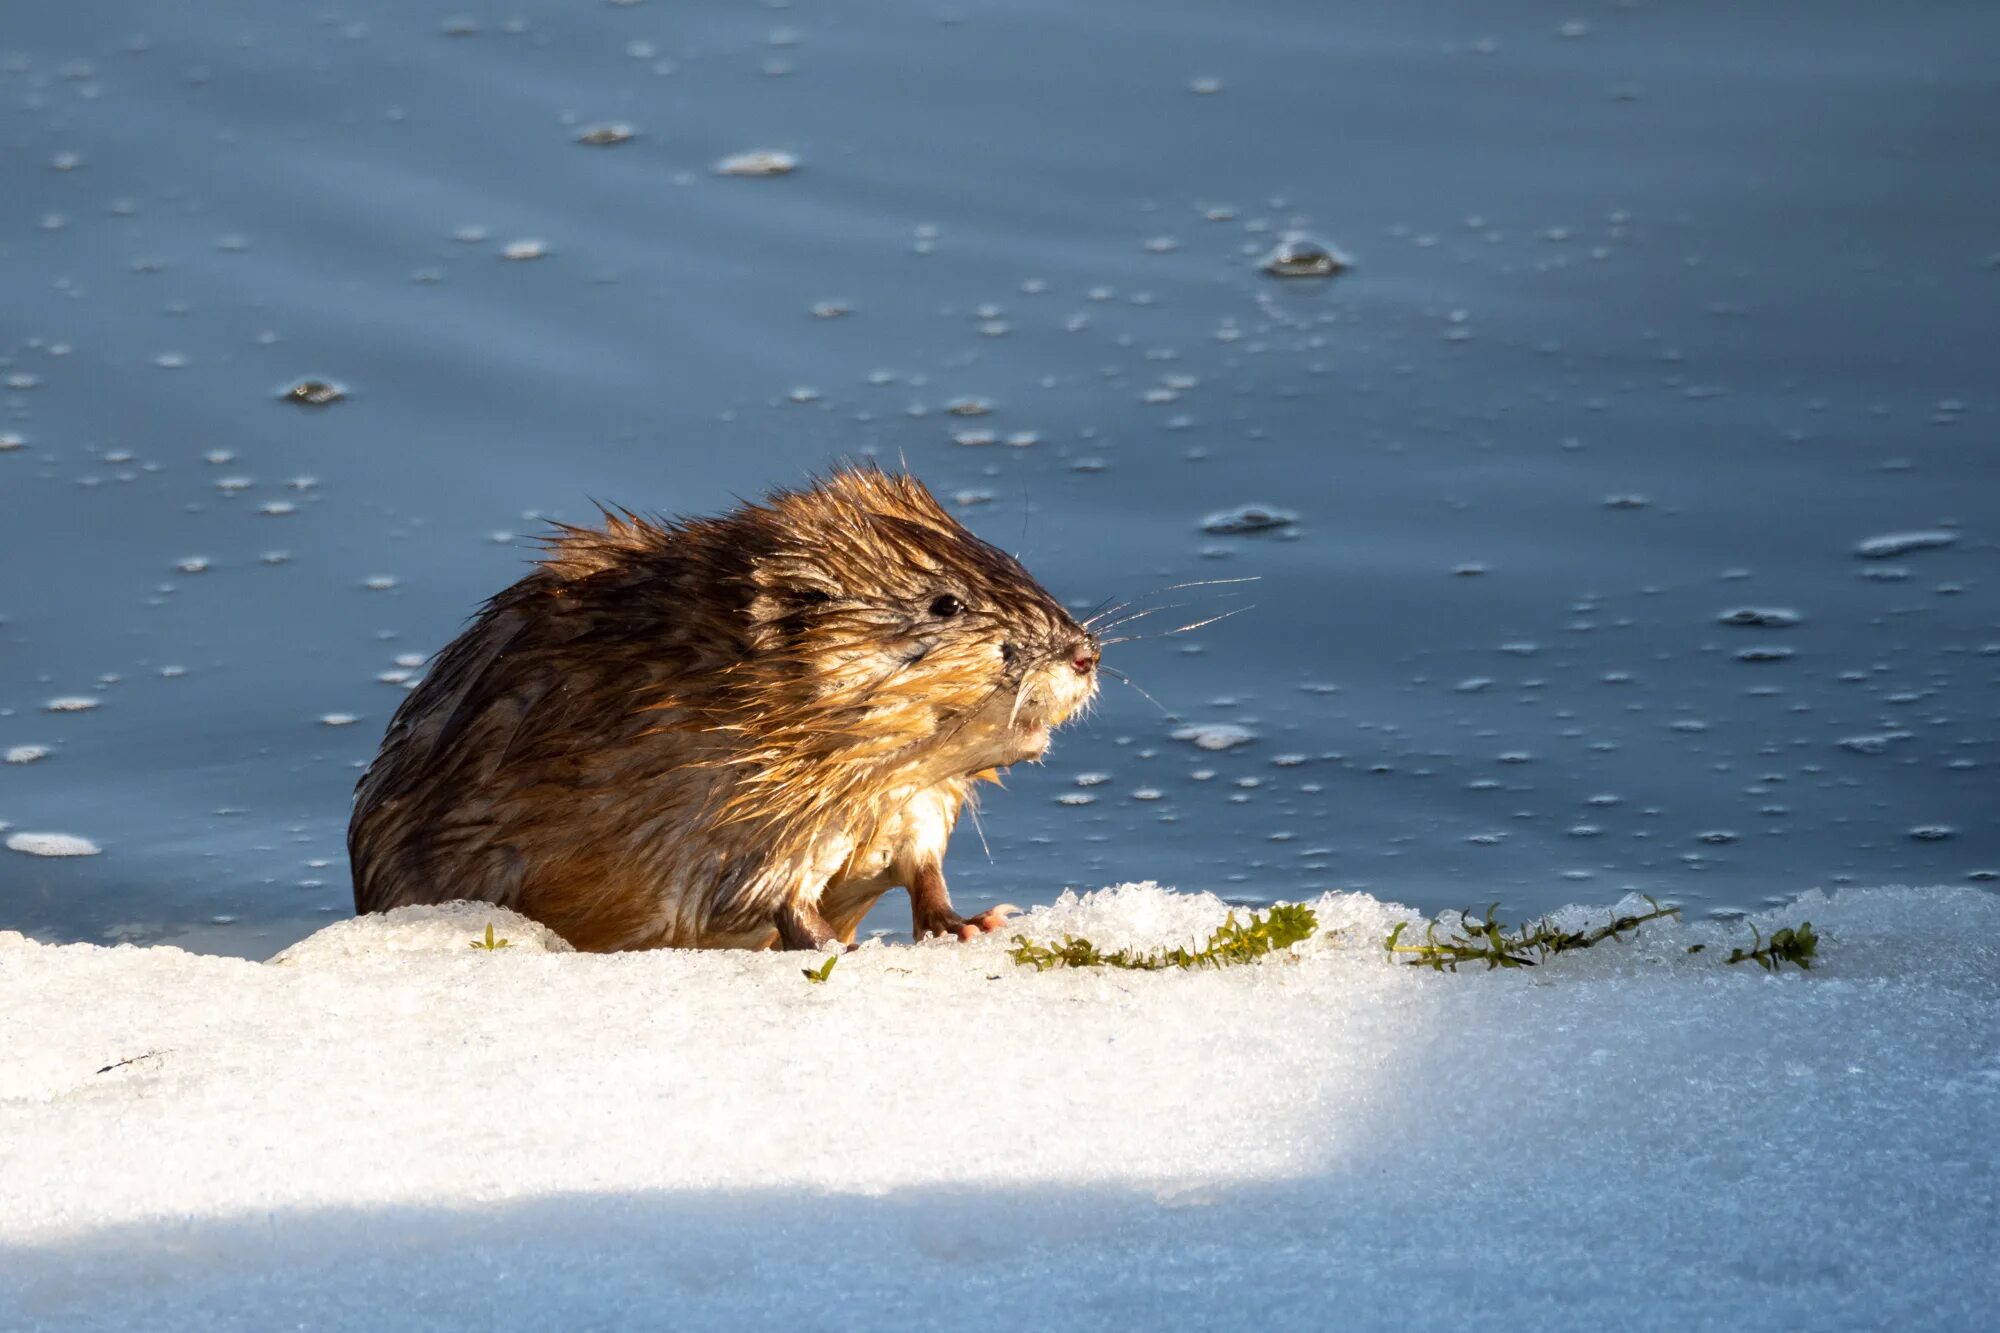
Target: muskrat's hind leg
x,y
931,914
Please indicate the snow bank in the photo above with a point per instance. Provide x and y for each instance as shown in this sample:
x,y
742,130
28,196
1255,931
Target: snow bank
x,y
384,1128
51,844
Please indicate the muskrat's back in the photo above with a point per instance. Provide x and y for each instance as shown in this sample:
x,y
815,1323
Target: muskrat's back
x,y
727,731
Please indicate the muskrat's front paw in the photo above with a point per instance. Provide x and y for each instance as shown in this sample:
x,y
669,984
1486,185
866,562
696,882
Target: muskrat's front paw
x,y
961,927
988,921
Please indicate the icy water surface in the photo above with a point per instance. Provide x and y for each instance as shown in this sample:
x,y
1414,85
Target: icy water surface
x,y
1625,514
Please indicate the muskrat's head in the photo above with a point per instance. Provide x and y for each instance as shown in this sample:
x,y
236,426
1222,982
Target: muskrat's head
x,y
879,621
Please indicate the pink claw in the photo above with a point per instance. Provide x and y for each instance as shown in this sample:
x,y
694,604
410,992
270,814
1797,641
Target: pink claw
x,y
988,921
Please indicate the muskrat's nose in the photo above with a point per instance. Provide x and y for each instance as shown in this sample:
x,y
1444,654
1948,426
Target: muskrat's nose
x,y
1084,657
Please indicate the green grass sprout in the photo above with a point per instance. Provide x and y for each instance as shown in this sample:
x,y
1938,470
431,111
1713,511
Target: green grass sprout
x,y
489,942
1791,944
1232,945
1495,944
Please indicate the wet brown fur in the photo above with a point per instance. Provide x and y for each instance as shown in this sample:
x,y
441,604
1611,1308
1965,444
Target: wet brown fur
x,y
721,731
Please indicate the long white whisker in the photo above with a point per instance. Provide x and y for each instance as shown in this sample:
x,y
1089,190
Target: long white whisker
x,y
972,808
1141,615
1102,609
1108,611
1127,680
1212,619
1208,583
1171,587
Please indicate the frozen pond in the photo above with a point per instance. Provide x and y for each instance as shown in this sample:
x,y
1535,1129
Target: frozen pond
x,y
1625,516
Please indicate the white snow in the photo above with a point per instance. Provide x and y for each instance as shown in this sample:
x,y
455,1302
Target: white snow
x,y
1902,543
51,844
1215,735
385,1128
757,162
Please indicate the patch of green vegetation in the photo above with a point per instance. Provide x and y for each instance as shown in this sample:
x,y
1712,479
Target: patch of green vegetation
x,y
1792,944
817,975
1497,945
489,942
1231,945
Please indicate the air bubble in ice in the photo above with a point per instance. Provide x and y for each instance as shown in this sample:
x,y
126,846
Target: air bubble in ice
x,y
606,135
1759,617
1894,544
1299,255
757,162
1215,735
314,393
1249,518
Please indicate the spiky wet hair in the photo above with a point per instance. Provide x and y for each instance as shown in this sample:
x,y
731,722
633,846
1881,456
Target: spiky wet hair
x,y
665,714
860,619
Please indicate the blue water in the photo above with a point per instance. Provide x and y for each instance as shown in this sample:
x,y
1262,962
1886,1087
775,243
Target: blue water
x,y
1657,312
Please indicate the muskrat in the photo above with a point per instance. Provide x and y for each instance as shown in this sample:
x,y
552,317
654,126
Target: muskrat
x,y
730,732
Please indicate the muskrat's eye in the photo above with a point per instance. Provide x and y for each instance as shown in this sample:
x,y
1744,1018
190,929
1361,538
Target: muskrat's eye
x,y
945,607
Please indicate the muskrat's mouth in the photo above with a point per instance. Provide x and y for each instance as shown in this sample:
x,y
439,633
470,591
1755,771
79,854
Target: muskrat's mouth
x,y
1038,710
1033,738
1026,740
